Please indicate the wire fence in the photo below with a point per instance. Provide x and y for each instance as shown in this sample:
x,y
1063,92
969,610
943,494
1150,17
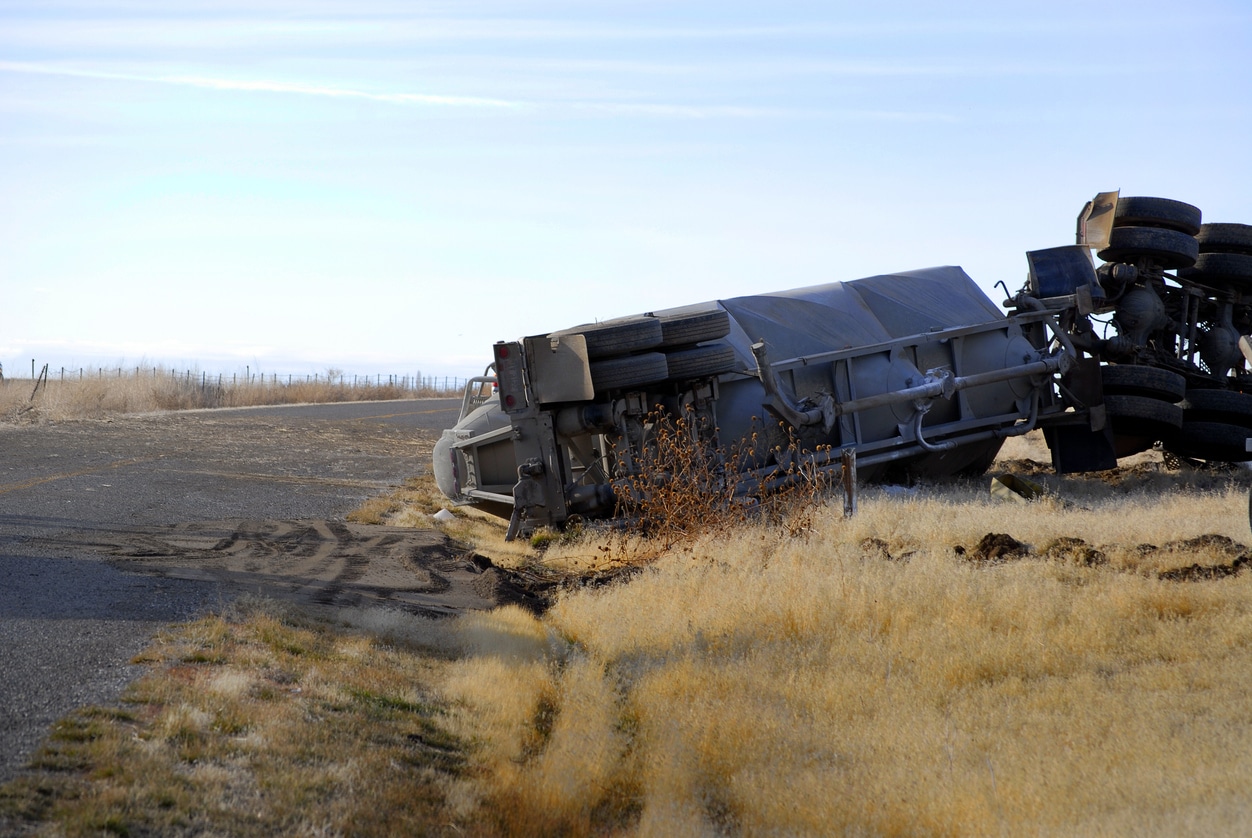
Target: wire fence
x,y
93,392
415,382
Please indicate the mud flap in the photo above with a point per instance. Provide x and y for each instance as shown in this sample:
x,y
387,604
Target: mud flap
x,y
1086,444
1077,448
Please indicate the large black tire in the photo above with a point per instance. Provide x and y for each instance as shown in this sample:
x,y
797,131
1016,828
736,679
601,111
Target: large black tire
x,y
1157,212
1138,380
628,371
1135,413
1138,422
1225,238
1216,441
700,361
1224,266
617,337
684,329
1168,248
1225,406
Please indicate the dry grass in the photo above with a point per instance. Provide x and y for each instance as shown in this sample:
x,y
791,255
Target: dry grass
x,y
145,390
257,722
869,679
411,505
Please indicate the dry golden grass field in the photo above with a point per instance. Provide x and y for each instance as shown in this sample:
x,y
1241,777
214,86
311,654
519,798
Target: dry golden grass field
x,y
870,678
1085,671
143,389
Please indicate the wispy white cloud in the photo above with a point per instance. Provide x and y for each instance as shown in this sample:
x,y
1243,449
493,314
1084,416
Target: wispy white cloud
x,y
585,106
261,86
336,92
748,112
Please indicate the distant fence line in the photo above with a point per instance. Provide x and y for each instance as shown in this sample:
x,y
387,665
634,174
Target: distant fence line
x,y
416,383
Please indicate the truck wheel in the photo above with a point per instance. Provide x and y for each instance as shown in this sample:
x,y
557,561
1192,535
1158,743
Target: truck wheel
x,y
1138,380
1221,266
700,361
683,329
1139,421
1157,212
617,337
1225,406
1169,248
1225,238
628,371
1216,441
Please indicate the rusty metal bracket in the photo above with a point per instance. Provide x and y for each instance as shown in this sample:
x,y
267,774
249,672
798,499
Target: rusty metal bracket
x,y
528,495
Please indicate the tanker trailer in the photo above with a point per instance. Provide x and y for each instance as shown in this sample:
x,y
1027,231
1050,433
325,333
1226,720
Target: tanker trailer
x,y
915,372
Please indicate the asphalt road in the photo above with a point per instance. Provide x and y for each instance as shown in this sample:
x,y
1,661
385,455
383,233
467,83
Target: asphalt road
x,y
71,620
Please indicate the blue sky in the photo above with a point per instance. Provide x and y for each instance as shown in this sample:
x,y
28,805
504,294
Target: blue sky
x,y
391,187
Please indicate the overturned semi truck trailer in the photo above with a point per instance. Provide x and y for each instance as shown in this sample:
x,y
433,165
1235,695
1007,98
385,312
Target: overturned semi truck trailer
x,y
916,371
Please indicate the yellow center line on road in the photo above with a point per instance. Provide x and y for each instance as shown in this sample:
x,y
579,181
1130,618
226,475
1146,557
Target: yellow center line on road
x,y
5,488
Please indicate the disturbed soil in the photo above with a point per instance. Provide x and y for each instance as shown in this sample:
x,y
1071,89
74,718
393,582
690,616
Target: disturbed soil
x,y
317,563
1148,472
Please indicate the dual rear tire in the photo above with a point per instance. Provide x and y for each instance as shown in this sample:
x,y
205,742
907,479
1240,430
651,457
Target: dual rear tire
x,y
1146,405
1158,230
640,351
1225,259
1141,405
1216,426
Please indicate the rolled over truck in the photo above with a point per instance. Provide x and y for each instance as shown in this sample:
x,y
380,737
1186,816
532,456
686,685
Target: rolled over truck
x,y
912,373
